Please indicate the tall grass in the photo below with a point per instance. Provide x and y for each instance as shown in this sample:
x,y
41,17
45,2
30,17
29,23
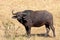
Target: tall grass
x,y
9,29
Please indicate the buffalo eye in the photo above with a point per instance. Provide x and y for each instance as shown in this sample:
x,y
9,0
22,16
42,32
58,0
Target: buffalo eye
x,y
18,17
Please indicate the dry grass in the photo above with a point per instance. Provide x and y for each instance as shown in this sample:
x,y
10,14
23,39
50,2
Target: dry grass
x,y
11,29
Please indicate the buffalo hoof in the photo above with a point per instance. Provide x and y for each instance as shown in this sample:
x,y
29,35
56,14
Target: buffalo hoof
x,y
46,35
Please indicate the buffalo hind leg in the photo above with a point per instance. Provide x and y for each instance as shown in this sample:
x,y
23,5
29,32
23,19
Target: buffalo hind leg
x,y
28,30
47,29
53,29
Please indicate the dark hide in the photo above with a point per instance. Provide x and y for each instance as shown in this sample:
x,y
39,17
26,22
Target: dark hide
x,y
31,18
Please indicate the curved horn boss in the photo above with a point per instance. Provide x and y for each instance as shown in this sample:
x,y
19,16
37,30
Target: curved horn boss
x,y
13,12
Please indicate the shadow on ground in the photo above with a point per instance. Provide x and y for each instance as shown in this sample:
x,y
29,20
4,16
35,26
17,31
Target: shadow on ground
x,y
39,35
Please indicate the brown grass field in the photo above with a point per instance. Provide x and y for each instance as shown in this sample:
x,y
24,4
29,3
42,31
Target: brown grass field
x,y
11,29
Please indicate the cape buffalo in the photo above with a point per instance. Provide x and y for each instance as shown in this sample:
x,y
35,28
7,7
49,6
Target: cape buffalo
x,y
30,18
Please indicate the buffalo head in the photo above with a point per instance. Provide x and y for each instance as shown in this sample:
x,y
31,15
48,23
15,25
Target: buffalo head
x,y
18,15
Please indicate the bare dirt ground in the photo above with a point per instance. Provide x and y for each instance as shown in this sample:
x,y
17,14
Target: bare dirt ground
x,y
11,29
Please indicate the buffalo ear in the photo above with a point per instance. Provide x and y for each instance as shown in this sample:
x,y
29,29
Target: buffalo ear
x,y
14,17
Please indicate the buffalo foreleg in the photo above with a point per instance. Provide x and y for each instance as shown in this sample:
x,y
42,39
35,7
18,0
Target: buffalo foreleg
x,y
28,30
